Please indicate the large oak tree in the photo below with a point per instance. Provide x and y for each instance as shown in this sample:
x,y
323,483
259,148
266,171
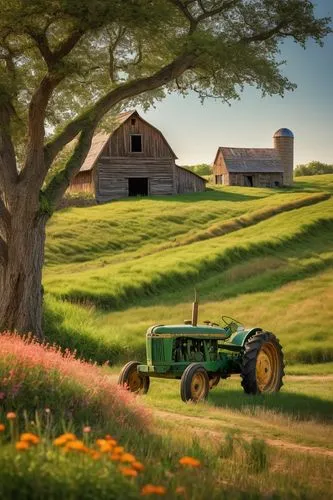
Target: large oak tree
x,y
65,64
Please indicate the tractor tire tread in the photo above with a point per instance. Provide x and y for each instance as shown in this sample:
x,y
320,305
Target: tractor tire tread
x,y
248,369
185,383
123,376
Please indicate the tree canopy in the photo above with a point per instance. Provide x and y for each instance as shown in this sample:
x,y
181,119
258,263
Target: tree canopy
x,y
313,168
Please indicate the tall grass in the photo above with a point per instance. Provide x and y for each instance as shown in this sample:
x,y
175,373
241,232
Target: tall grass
x,y
34,377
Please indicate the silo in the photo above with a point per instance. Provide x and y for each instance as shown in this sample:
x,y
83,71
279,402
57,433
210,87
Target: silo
x,y
284,144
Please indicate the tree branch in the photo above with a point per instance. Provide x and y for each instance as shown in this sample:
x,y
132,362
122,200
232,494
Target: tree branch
x,y
103,105
50,57
8,167
33,168
67,45
265,35
217,10
112,47
183,7
43,47
60,182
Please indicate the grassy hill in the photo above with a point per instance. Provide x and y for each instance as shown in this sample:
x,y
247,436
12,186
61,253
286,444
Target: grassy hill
x,y
262,255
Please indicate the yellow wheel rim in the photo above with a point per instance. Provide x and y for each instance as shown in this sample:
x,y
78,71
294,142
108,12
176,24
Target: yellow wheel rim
x,y
198,386
267,368
134,381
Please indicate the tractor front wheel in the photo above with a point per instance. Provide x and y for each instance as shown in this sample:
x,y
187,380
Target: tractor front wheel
x,y
262,368
194,384
132,380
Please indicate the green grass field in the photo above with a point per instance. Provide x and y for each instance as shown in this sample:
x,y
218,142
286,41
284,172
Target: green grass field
x,y
264,256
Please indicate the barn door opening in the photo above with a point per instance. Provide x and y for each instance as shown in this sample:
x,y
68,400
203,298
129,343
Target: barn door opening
x,y
138,186
248,180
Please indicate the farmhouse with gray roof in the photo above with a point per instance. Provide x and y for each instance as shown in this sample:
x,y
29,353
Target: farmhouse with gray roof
x,y
257,167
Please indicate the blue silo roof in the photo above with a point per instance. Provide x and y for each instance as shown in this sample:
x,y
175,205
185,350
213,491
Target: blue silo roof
x,y
284,132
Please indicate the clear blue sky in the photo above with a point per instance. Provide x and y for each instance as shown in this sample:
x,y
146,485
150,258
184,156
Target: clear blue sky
x,y
195,131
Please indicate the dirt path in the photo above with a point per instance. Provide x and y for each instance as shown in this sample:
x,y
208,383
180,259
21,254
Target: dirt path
x,y
197,424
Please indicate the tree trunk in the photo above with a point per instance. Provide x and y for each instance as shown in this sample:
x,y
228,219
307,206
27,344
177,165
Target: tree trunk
x,y
21,275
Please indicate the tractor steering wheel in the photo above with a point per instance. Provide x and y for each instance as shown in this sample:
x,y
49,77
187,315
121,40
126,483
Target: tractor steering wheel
x,y
227,320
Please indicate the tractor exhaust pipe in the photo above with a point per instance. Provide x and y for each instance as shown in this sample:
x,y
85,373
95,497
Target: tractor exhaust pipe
x,y
195,308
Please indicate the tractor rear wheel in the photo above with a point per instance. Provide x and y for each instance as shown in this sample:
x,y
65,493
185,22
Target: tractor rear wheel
x,y
194,384
132,380
263,367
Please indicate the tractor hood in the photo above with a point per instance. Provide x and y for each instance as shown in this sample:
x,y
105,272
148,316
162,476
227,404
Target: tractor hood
x,y
203,331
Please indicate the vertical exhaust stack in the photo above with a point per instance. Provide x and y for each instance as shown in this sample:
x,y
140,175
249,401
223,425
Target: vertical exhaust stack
x,y
195,308
284,144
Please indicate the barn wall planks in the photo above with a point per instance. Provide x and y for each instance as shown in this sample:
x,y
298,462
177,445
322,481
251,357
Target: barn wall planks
x,y
113,176
187,182
82,183
220,172
258,179
153,143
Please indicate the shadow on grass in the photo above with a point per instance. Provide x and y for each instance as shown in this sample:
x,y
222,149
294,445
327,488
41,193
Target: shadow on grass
x,y
87,346
208,195
292,404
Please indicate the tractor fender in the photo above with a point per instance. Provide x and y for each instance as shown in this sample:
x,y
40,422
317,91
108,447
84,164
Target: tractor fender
x,y
237,340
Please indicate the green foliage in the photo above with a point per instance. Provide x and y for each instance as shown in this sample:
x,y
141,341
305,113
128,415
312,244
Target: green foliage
x,y
313,168
201,169
256,454
116,43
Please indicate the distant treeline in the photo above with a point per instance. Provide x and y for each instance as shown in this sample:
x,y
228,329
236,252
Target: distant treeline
x,y
313,168
200,169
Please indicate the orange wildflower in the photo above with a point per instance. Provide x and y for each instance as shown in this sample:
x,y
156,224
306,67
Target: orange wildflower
x,y
95,455
64,438
191,462
127,471
111,442
2,427
76,446
22,445
29,438
128,457
115,457
118,449
109,438
150,489
87,429
11,415
105,448
138,466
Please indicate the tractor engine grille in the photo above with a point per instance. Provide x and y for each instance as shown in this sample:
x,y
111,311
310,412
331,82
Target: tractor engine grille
x,y
158,354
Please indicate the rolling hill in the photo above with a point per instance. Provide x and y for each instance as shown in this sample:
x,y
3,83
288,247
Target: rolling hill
x,y
264,256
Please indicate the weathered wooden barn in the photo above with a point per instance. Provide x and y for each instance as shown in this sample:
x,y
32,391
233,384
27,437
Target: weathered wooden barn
x,y
134,160
254,167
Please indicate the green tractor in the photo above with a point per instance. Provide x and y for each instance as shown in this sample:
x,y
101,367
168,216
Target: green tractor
x,y
200,355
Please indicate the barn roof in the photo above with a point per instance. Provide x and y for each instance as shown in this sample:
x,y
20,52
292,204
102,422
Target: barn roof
x,y
101,138
251,160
